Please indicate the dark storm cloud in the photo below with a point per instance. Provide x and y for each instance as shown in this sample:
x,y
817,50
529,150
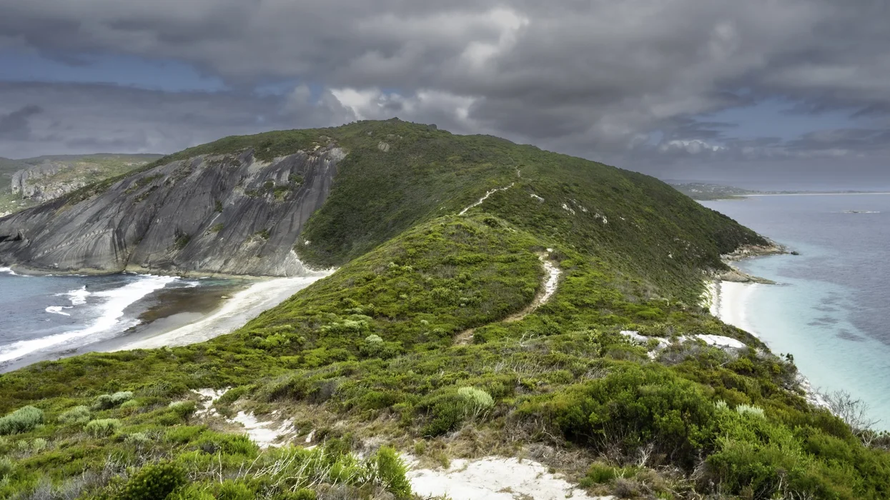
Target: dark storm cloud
x,y
596,78
15,125
83,118
843,140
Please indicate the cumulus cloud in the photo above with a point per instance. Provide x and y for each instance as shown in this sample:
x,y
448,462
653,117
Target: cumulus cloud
x,y
629,82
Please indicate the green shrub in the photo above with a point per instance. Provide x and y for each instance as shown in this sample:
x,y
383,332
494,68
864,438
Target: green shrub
x,y
7,467
38,445
108,401
478,400
182,241
133,403
232,395
138,439
388,470
749,410
22,420
231,490
102,427
764,459
184,433
638,406
599,473
447,412
153,482
78,415
304,494
228,444
183,409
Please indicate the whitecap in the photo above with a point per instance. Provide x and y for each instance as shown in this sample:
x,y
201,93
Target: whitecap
x,y
58,310
77,297
112,304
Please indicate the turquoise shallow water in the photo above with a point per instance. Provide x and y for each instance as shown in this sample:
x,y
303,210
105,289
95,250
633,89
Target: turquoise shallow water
x,y
831,308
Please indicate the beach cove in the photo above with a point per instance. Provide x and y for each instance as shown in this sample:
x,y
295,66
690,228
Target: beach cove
x,y
51,317
827,307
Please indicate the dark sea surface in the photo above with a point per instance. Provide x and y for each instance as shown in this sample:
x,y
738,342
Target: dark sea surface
x,y
831,307
45,317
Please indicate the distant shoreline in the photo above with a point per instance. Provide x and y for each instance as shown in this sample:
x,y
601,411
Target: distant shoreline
x,y
829,193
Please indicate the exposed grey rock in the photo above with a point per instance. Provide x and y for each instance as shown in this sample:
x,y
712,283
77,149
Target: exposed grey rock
x,y
27,182
207,215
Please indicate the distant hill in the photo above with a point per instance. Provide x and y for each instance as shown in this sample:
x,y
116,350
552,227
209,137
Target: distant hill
x,y
704,191
31,181
7,168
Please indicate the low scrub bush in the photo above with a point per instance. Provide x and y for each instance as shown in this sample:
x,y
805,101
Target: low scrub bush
x,y
38,445
138,439
103,427
78,415
635,407
478,401
449,410
184,433
153,482
228,444
22,420
108,401
183,409
388,470
7,467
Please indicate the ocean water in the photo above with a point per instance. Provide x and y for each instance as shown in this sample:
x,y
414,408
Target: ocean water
x,y
831,306
50,316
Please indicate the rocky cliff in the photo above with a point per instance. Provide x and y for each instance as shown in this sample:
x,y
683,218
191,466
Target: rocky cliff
x,y
27,182
225,214
31,181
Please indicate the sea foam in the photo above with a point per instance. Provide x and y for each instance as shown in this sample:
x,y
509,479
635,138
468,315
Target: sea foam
x,y
111,305
58,310
77,297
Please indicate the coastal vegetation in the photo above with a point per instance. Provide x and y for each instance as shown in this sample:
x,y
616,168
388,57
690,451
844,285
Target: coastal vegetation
x,y
423,343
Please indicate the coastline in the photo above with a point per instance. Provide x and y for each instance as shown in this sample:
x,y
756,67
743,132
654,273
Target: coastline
x,y
168,317
729,301
233,313
727,296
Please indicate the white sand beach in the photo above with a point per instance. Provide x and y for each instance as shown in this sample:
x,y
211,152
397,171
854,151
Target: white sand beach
x,y
233,314
727,300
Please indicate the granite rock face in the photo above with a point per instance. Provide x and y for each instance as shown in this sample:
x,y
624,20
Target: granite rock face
x,y
36,183
226,214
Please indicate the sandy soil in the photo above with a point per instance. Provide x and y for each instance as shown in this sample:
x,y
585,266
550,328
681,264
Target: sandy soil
x,y
494,478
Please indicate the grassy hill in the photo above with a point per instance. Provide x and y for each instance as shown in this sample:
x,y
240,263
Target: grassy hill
x,y
75,168
425,340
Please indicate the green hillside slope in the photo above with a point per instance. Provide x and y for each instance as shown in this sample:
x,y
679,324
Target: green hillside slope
x,y
438,336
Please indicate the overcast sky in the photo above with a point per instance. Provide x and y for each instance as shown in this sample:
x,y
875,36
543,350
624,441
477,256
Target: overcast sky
x,y
784,92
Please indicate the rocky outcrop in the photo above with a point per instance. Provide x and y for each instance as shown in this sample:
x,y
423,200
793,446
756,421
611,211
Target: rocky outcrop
x,y
225,214
27,182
